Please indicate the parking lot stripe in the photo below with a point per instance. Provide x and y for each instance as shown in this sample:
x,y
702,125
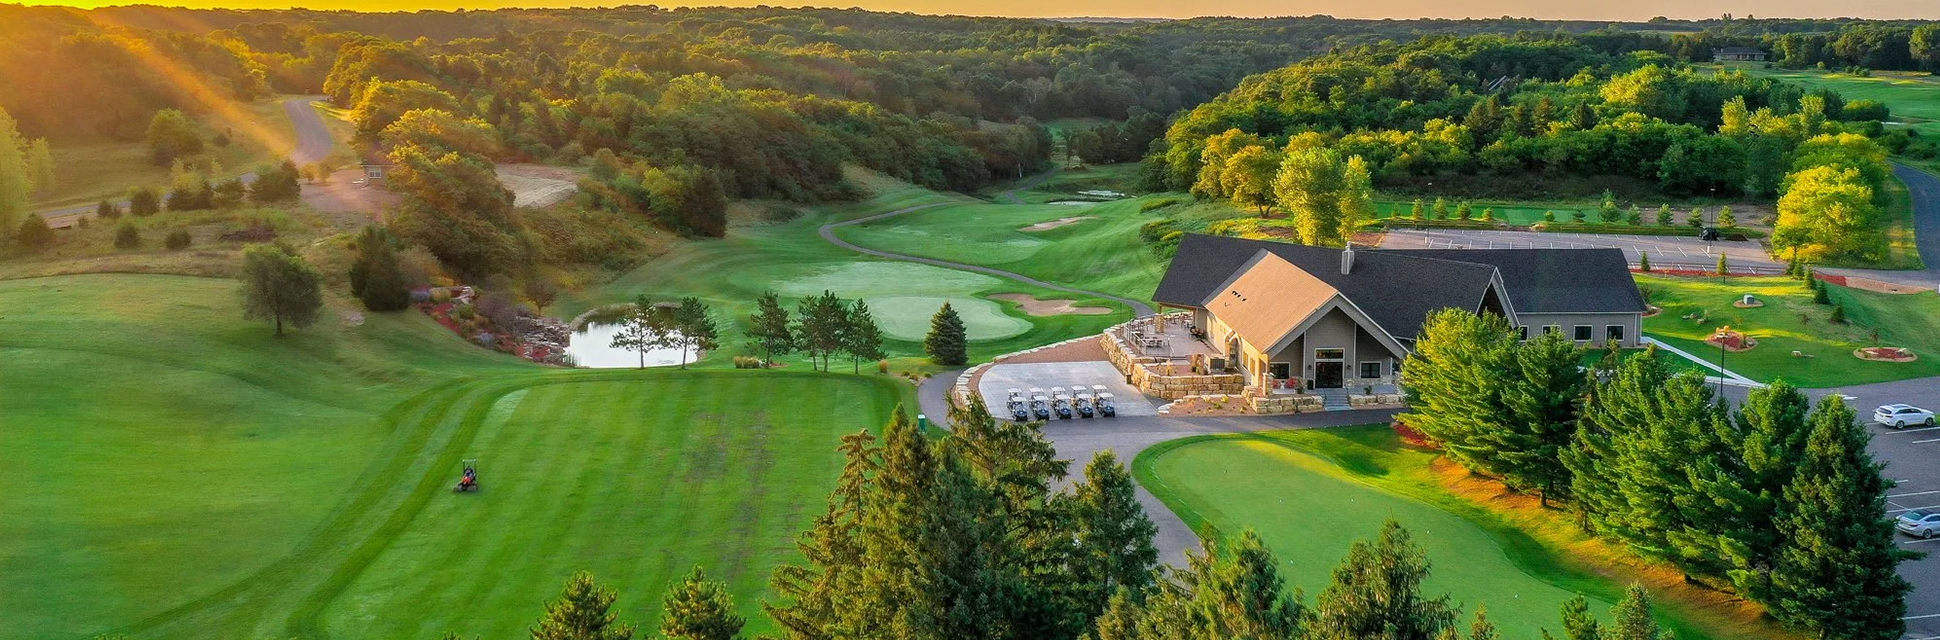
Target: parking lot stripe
x,y
1916,493
1920,541
1911,430
1936,506
1926,441
1930,615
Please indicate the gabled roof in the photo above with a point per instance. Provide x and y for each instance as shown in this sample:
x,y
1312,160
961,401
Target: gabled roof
x,y
1267,298
1737,50
1554,280
1396,291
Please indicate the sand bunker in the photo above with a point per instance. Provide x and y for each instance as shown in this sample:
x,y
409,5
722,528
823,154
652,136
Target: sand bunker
x,y
1036,307
1053,224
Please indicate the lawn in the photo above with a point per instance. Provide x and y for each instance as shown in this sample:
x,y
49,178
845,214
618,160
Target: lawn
x,y
88,171
174,471
1099,251
1790,322
792,260
1912,97
1311,493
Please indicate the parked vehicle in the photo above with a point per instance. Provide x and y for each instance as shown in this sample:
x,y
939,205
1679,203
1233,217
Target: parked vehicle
x,y
1898,416
1040,407
1018,410
1082,404
1061,405
1106,407
1918,523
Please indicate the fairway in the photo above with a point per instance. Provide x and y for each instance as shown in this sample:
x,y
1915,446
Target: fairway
x,y
904,318
1912,97
636,480
1310,511
1790,322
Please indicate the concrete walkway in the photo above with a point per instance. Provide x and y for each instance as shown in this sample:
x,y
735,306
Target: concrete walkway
x,y
1730,377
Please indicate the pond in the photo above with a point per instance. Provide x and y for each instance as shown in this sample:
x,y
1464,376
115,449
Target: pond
x,y
592,347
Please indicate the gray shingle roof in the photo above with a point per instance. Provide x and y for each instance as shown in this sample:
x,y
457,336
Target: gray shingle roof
x,y
1397,291
1555,280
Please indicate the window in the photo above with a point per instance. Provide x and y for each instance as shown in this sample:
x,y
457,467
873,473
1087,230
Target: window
x,y
1613,333
1330,354
1582,333
1522,332
1554,328
1371,369
1280,370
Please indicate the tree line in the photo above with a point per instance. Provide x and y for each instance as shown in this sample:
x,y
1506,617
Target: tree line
x,y
1777,501
965,537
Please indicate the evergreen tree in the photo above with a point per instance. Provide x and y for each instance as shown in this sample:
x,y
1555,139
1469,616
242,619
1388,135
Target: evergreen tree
x,y
863,337
34,232
280,287
1441,208
694,328
376,278
1114,537
1416,212
1579,216
1725,218
1723,267
1578,622
1643,261
1696,219
1614,410
1608,211
1482,629
819,327
647,326
1452,379
814,594
1739,486
1835,571
1664,215
127,236
1541,398
1235,590
1465,210
1631,619
1376,593
948,342
583,611
143,202
1819,293
1644,431
1635,217
769,332
697,609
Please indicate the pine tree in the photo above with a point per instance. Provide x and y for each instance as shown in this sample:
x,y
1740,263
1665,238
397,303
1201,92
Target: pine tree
x,y
583,611
1541,397
814,594
1723,267
1608,211
1579,216
694,328
1838,314
1725,218
1465,210
1632,620
1488,214
1835,571
1451,384
1114,537
1696,218
1643,261
1819,293
769,332
697,609
819,327
863,337
947,343
1441,208
1416,212
1664,215
1578,623
1635,217
1482,629
1739,486
1376,593
1237,592
1614,410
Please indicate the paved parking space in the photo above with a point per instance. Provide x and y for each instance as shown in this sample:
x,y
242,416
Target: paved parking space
x,y
1666,252
1044,375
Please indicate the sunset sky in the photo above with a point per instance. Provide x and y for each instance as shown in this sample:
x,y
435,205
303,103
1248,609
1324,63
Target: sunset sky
x,y
1566,9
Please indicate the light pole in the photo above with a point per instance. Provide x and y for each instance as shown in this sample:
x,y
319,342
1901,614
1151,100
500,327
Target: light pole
x,y
1721,369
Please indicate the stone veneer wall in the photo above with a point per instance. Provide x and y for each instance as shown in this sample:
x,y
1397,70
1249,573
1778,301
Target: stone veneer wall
x,y
1149,373
1272,404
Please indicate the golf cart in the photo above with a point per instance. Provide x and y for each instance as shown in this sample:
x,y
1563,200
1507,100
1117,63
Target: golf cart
x,y
1105,406
1061,404
1018,411
1040,407
470,480
1083,404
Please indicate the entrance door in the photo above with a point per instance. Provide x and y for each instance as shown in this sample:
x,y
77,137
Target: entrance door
x,y
1327,375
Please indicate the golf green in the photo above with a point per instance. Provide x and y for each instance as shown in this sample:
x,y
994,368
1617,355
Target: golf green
x,y
908,317
1310,510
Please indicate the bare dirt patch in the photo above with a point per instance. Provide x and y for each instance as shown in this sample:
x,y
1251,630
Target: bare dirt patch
x,y
535,185
1053,224
1036,307
1869,284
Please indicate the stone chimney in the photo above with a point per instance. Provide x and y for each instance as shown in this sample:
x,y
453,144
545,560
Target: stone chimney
x,y
1347,259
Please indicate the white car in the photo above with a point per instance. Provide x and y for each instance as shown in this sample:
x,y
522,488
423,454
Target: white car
x,y
1918,523
1898,416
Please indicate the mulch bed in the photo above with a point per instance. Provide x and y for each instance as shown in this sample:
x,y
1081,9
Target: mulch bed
x,y
1884,354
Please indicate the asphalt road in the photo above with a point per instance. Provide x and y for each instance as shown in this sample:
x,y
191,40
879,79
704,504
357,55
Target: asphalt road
x,y
313,142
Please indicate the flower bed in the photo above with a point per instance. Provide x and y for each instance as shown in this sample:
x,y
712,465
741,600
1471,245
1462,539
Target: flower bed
x,y
1885,354
1732,341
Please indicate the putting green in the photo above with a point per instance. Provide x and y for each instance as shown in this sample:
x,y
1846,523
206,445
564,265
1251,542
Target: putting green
x,y
877,278
908,317
1310,511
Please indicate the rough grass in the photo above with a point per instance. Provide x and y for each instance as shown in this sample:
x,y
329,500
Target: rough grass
x,y
1790,322
88,171
177,472
1311,493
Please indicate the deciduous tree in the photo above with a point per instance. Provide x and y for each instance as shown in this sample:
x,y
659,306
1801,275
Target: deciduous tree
x,y
277,285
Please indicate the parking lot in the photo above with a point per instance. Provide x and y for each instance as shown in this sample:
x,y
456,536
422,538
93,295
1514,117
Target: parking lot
x,y
1044,375
1666,252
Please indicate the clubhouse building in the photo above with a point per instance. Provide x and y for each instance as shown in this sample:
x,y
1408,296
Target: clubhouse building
x,y
1291,318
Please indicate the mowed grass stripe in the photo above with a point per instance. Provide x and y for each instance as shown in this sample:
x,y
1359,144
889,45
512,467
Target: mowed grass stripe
x,y
638,481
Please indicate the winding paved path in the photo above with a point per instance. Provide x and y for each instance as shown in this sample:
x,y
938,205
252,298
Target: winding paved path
x,y
313,142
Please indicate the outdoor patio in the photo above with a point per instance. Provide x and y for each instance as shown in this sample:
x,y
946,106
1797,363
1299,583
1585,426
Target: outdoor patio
x,y
1165,337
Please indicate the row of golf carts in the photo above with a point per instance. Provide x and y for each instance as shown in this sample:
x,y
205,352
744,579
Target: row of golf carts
x,y
1080,402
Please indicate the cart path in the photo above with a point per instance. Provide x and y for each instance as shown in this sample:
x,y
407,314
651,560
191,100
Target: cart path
x,y
313,142
1139,309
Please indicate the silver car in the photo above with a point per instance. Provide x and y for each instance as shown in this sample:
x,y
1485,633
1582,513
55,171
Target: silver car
x,y
1919,523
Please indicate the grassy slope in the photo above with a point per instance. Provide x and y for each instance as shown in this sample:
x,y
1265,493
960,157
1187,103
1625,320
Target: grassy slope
x,y
793,260
159,446
1311,493
87,171
1914,98
637,480
1902,320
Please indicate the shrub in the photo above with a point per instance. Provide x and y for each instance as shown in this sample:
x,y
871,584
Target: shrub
x,y
143,202
747,362
1157,204
34,232
127,236
1549,216
176,240
107,210
1819,294
1839,314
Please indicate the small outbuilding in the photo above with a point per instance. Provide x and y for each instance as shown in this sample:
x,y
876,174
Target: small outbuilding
x,y
1737,54
375,163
